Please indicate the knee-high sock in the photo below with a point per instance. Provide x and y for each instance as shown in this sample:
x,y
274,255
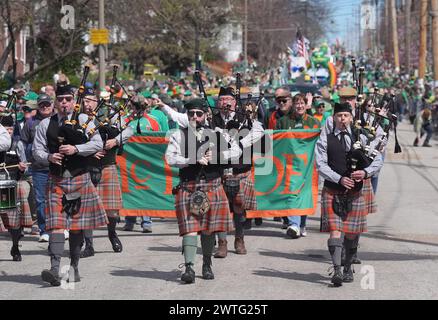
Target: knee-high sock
x,y
222,235
88,237
112,226
335,249
190,245
75,240
239,220
56,249
15,235
207,244
350,249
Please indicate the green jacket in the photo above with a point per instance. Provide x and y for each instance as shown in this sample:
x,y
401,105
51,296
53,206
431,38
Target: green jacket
x,y
291,121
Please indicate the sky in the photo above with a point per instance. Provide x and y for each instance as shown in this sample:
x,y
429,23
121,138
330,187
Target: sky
x,y
344,17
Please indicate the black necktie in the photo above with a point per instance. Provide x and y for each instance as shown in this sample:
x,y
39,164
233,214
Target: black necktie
x,y
343,140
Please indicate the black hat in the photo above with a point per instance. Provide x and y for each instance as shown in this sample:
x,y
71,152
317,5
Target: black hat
x,y
342,107
196,103
44,98
64,90
89,91
7,121
226,91
166,100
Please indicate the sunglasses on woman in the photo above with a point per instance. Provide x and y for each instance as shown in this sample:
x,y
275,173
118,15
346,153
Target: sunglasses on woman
x,y
192,113
68,99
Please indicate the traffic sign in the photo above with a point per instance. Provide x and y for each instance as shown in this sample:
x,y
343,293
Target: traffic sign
x,y
99,36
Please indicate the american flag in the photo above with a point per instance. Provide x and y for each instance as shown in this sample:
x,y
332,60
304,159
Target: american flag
x,y
301,47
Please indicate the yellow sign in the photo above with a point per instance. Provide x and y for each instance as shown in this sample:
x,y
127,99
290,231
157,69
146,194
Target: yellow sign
x,y
99,36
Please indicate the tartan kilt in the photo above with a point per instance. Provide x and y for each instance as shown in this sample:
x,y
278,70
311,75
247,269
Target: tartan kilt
x,y
20,216
356,221
246,198
368,194
91,214
109,189
218,218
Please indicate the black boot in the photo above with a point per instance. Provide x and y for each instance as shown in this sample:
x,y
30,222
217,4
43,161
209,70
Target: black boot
x,y
189,275
112,235
337,277
56,249
350,253
89,249
75,240
335,249
15,252
207,273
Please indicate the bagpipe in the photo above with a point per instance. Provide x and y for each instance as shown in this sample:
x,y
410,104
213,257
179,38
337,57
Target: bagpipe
x,y
367,123
244,114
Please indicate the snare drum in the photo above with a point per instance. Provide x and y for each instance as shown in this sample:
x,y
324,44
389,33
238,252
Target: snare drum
x,y
8,194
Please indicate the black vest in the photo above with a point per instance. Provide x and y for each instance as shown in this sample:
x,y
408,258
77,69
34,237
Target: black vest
x,y
339,162
238,167
106,133
75,164
197,171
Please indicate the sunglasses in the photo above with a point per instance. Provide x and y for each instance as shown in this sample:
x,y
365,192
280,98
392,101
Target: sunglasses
x,y
198,113
61,99
321,106
281,100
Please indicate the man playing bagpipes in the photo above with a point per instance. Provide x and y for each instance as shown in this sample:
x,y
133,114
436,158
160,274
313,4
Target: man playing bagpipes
x,y
72,199
343,205
14,207
201,154
103,167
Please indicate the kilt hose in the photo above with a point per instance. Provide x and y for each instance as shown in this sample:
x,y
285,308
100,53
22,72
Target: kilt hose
x,y
109,189
91,214
368,194
246,198
20,216
218,218
356,221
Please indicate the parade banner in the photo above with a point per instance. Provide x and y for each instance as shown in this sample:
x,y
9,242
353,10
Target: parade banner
x,y
286,182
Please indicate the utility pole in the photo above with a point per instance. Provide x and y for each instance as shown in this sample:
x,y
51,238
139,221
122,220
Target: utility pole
x,y
376,37
423,41
387,32
394,36
245,43
408,6
434,13
101,46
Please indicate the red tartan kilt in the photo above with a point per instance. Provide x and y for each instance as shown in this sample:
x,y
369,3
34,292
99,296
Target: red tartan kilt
x,y
218,219
367,191
246,198
356,221
109,189
20,216
91,214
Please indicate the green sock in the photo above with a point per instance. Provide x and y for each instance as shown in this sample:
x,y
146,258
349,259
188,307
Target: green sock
x,y
222,235
190,245
207,244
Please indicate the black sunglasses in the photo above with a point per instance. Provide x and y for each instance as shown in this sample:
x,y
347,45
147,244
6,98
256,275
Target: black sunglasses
x,y
60,99
281,100
198,113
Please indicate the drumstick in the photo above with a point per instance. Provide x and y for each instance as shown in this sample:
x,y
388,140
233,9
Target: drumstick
x,y
13,166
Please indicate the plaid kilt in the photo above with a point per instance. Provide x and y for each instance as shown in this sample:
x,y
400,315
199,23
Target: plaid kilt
x,y
218,219
91,214
368,194
20,216
356,221
109,189
246,198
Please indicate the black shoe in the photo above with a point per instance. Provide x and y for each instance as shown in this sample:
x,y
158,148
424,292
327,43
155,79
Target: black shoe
x,y
15,253
258,221
427,145
337,277
73,275
115,242
51,277
356,260
207,273
348,274
88,252
189,275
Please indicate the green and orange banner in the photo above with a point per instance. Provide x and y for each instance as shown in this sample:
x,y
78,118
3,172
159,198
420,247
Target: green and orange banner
x,y
286,181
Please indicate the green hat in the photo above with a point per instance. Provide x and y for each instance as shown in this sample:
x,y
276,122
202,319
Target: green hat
x,y
31,96
196,103
30,105
211,101
147,94
188,93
